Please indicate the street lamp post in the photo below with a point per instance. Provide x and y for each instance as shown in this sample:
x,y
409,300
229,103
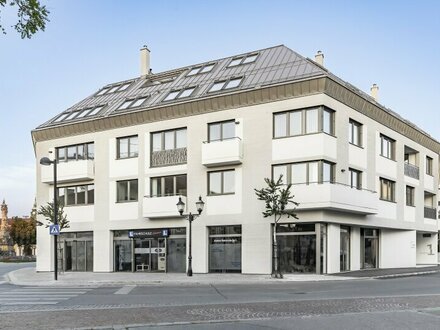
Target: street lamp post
x,y
180,207
47,162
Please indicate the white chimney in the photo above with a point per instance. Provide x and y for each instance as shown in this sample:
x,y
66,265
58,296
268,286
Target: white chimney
x,y
319,58
375,92
145,61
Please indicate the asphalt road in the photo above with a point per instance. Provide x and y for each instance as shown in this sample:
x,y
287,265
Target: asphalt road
x,y
398,303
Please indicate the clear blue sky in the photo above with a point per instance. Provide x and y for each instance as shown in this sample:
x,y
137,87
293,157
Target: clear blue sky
x,y
91,43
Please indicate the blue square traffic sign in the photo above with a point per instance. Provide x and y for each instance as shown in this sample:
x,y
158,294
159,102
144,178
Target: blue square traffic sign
x,y
54,229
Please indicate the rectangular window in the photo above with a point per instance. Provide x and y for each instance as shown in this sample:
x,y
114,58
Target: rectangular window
x,y
355,133
76,195
221,131
168,186
245,59
387,190
410,196
127,191
127,147
429,170
179,94
201,69
75,152
168,140
221,182
225,84
304,173
304,121
355,178
387,146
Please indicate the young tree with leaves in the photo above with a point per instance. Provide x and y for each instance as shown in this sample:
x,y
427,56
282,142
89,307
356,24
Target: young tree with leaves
x,y
47,212
277,197
32,16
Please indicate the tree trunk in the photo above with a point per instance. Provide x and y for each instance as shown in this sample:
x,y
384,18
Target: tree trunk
x,y
276,271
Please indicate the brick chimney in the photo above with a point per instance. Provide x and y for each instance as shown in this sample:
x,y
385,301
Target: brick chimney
x,y
145,61
319,58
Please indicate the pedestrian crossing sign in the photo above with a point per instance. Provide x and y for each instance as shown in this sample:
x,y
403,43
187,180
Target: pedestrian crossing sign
x,y
54,229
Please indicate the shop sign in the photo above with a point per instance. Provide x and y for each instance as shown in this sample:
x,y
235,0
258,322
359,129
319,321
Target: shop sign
x,y
148,233
224,240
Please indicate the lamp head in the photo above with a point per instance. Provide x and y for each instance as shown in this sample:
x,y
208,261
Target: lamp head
x,y
180,206
200,204
46,161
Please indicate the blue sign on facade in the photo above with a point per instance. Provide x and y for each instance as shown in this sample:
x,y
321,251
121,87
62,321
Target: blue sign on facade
x,y
54,229
148,233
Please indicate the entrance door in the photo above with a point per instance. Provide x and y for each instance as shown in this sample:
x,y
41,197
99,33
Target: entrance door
x,y
150,254
142,261
370,248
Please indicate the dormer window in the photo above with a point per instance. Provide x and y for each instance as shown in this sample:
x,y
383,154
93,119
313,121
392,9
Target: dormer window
x,y
133,103
201,69
179,94
225,84
245,59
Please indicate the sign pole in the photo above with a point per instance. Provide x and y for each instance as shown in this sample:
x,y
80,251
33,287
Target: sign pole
x,y
55,217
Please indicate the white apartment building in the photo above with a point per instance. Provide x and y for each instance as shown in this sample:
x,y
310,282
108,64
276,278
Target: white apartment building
x,y
366,179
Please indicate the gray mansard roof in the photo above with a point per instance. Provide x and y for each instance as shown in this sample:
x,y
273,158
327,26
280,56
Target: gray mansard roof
x,y
273,65
263,68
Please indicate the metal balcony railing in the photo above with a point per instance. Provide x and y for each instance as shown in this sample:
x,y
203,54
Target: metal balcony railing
x,y
430,213
411,170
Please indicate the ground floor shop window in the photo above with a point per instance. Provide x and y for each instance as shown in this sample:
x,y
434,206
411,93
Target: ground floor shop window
x,y
225,249
76,252
370,248
150,250
302,248
345,249
297,248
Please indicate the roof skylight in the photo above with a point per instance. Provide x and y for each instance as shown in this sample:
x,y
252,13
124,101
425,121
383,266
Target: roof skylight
x,y
201,69
113,89
179,94
79,114
245,59
225,84
133,103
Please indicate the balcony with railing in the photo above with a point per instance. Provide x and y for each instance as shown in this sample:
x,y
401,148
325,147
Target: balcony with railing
x,y
161,206
335,196
430,213
411,157
168,157
222,152
411,170
78,170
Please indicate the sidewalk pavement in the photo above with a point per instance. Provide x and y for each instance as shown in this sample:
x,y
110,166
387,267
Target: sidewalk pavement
x,y
29,277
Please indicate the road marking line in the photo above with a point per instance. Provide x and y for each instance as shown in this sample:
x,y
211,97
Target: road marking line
x,y
31,303
30,299
42,292
125,289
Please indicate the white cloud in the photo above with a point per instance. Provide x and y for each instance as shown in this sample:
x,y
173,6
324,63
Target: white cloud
x,y
17,187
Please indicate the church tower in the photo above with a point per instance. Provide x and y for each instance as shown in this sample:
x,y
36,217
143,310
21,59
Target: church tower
x,y
3,219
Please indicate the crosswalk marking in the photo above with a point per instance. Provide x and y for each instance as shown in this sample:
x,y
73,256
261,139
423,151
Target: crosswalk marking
x,y
40,295
125,289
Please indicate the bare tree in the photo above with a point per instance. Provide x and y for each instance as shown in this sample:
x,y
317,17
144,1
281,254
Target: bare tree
x,y
277,197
